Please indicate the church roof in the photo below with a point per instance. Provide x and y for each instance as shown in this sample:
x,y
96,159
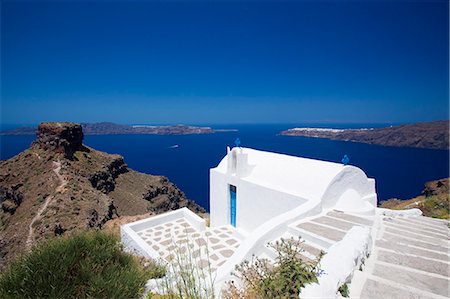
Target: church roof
x,y
307,178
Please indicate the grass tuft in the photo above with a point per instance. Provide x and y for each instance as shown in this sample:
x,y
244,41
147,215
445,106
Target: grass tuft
x,y
84,265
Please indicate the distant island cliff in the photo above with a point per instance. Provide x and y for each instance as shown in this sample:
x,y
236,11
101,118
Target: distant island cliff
x,y
432,135
108,128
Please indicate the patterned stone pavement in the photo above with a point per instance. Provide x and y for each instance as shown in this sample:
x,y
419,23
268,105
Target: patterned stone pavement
x,y
177,240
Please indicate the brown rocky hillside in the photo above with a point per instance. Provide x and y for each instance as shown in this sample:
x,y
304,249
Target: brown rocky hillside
x,y
433,202
59,185
433,135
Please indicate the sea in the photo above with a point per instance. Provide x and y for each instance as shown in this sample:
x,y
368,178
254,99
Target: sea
x,y
186,159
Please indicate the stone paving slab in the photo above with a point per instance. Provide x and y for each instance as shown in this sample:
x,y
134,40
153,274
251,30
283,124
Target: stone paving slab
x,y
430,220
405,221
417,263
311,249
179,239
333,222
377,290
351,218
396,238
431,284
416,229
405,249
419,237
325,232
423,222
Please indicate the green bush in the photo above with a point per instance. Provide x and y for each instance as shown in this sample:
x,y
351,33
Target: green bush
x,y
343,289
284,279
84,265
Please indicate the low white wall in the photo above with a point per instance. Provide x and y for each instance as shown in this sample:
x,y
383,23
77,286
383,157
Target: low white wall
x,y
400,213
134,244
255,204
340,262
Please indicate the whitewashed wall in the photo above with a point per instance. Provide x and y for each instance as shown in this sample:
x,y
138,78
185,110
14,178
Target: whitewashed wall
x,y
255,204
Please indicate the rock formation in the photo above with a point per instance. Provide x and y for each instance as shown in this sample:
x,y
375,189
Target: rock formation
x,y
60,137
58,185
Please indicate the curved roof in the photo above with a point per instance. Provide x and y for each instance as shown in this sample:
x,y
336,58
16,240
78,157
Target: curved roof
x,y
307,178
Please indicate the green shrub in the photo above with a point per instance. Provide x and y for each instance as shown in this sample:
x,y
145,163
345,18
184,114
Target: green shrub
x,y
84,265
343,289
284,279
436,206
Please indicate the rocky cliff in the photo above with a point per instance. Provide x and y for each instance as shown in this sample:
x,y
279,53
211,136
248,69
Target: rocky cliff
x,y
433,202
59,185
433,135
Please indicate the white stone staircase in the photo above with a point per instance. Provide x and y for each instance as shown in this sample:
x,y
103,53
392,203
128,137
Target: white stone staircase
x,y
318,233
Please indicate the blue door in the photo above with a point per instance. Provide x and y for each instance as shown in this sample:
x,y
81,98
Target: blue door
x,y
233,205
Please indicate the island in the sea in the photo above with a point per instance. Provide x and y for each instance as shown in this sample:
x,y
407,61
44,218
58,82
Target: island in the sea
x,y
108,128
432,135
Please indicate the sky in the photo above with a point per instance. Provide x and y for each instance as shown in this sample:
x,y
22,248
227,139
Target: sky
x,y
170,62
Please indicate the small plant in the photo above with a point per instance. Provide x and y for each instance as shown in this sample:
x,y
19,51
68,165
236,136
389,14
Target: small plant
x,y
85,265
283,279
185,278
343,290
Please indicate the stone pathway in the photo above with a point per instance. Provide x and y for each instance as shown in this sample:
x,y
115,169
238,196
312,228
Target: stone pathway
x,y
410,260
59,189
319,233
178,240
326,230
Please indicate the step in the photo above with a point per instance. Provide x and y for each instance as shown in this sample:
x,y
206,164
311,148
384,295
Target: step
x,y
439,230
427,283
416,228
405,249
378,289
350,218
312,238
334,222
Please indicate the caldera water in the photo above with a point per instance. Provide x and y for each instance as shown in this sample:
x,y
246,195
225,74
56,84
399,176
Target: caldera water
x,y
186,159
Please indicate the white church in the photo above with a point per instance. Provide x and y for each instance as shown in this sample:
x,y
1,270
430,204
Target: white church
x,y
258,197
250,187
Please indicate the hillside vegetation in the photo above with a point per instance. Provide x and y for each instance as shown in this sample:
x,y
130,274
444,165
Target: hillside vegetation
x,y
85,265
433,202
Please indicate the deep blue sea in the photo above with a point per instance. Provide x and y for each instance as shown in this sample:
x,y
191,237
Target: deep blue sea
x,y
399,172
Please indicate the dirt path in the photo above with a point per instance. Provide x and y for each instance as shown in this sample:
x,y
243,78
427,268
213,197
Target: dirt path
x,y
59,189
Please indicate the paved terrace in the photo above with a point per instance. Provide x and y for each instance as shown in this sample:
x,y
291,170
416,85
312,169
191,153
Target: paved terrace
x,y
177,238
410,260
171,238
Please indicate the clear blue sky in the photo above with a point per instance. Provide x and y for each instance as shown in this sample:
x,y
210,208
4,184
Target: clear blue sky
x,y
224,62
